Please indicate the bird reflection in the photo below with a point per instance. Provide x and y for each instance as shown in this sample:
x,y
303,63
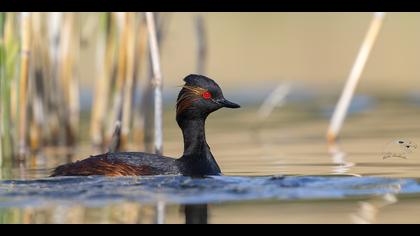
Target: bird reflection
x,y
196,214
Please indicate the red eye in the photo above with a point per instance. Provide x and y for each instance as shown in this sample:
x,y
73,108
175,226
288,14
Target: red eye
x,y
206,95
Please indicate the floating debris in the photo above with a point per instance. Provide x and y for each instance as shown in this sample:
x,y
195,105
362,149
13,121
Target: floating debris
x,y
400,148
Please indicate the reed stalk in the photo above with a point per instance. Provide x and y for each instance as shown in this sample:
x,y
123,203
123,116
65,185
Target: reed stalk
x,y
129,81
125,84
274,99
45,124
147,111
56,99
140,55
44,81
38,71
105,64
74,90
148,100
23,82
10,42
2,87
118,102
354,77
115,143
121,79
68,51
200,31
2,23
157,83
96,121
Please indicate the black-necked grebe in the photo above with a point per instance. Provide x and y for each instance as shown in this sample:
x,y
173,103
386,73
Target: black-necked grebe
x,y
199,97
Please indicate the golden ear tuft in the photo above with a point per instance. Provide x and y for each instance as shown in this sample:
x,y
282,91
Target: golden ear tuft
x,y
186,99
196,90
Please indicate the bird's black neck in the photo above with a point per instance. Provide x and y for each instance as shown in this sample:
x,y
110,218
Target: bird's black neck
x,y
197,156
194,137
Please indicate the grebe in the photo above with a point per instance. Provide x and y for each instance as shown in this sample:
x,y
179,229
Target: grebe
x,y
199,97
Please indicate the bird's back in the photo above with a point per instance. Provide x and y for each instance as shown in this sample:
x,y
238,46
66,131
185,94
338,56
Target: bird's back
x,y
120,164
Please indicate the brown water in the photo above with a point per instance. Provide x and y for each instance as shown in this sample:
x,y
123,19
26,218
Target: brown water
x,y
290,142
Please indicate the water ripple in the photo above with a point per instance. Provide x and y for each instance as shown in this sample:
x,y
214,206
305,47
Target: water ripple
x,y
99,191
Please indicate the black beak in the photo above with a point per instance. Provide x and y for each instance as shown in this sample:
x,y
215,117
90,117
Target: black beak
x,y
228,104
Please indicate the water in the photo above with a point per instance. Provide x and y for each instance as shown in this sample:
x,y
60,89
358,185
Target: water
x,y
99,191
277,170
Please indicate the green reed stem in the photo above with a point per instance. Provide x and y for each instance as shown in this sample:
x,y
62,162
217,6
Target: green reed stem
x,y
2,79
5,119
2,21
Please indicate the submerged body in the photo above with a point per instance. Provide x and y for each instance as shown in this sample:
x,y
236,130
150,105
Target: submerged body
x,y
199,97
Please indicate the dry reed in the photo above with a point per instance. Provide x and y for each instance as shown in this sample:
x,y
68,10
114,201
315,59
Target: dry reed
x,y
157,83
23,83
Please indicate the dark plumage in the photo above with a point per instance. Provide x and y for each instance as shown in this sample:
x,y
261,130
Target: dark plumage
x,y
199,97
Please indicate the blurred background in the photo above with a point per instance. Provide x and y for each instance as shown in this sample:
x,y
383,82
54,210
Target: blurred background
x,y
68,78
253,50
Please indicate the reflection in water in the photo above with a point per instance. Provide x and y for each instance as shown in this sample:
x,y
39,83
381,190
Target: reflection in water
x,y
160,212
196,214
368,211
133,200
123,213
339,158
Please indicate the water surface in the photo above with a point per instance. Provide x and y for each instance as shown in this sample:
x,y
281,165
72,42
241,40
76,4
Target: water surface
x,y
278,170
